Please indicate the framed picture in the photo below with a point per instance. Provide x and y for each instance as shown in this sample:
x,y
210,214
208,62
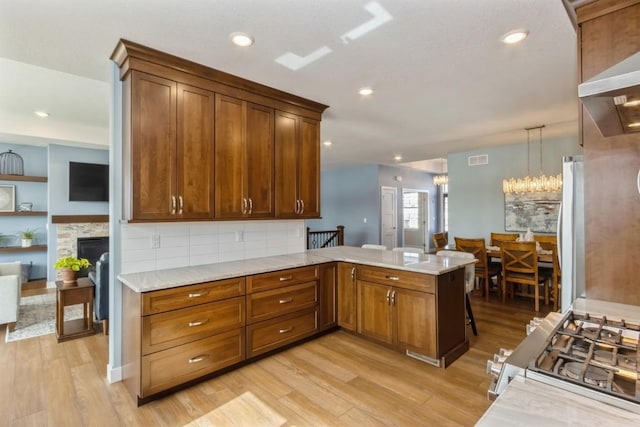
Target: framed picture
x,y
7,198
537,212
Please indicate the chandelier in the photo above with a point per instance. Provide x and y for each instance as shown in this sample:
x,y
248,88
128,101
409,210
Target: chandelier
x,y
541,183
441,179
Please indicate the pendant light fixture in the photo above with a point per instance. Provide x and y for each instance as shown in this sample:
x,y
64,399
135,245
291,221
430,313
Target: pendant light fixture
x,y
441,179
541,183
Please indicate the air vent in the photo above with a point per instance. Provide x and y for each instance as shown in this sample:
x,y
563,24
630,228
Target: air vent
x,y
478,160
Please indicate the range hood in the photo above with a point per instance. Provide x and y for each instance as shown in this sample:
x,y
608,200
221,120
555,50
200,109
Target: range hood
x,y
612,98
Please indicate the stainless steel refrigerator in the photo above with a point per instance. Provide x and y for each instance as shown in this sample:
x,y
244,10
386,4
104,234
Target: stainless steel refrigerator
x,y
571,231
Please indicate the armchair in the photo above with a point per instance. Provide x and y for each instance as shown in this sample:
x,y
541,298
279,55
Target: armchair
x,y
10,287
100,278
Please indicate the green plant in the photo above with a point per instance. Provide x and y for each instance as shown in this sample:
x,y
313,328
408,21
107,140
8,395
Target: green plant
x,y
28,234
71,262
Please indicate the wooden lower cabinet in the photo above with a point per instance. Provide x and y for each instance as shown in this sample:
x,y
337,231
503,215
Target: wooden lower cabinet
x,y
328,298
271,334
346,295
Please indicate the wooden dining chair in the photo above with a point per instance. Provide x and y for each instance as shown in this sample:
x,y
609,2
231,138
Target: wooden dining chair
x,y
550,243
496,238
484,269
520,267
440,240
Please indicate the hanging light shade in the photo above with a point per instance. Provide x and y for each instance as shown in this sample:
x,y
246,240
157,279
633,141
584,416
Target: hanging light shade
x,y
441,179
541,183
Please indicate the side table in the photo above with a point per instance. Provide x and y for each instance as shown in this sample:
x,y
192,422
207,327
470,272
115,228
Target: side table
x,y
68,294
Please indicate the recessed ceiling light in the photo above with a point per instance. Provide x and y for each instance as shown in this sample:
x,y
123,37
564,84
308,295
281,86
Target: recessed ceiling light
x,y
41,113
515,36
397,158
241,39
365,91
327,143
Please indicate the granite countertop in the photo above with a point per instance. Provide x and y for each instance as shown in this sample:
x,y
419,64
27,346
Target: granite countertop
x,y
163,279
526,402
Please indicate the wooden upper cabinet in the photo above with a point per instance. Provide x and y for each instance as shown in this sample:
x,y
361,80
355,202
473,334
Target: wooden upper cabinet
x,y
153,147
244,158
195,153
297,166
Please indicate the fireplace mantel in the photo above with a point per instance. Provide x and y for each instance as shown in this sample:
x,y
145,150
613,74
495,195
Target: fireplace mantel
x,y
76,219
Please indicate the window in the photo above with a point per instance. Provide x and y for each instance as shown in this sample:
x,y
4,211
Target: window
x,y
410,211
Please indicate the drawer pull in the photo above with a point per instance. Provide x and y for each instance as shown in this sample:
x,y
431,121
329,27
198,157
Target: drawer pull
x,y
198,294
284,331
285,278
396,278
286,300
199,358
198,323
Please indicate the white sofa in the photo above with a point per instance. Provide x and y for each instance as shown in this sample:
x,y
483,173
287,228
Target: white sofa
x,y
10,286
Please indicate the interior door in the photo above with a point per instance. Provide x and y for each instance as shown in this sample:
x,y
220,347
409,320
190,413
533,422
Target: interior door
x,y
388,215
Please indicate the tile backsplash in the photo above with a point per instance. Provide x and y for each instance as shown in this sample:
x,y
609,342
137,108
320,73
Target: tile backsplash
x,y
148,247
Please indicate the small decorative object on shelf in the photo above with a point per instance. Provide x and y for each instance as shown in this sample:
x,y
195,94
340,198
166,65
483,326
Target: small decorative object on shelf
x,y
11,163
7,198
25,207
27,237
69,267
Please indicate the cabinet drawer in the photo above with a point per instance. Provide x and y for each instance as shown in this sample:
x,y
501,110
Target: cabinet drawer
x,y
262,282
399,278
187,296
271,334
268,304
168,368
165,330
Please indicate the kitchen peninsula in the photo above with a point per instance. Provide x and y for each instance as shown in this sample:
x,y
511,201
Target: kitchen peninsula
x,y
184,325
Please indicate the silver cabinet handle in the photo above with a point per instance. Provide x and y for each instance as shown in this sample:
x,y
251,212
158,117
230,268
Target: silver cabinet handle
x,y
393,298
198,323
180,205
301,206
244,205
284,331
198,294
286,300
198,358
173,205
388,297
285,278
395,278
297,210
250,206
353,273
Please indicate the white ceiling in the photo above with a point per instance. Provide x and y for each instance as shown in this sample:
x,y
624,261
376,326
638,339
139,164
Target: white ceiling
x,y
443,81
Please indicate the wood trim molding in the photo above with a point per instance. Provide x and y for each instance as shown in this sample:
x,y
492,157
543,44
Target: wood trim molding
x,y
601,7
70,219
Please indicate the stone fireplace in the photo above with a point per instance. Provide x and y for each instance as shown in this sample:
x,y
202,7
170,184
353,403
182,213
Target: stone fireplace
x,y
67,236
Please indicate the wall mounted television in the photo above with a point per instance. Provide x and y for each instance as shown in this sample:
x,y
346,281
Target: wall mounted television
x,y
88,182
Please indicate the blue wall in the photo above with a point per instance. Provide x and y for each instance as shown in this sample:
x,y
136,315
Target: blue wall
x,y
59,204
476,200
35,164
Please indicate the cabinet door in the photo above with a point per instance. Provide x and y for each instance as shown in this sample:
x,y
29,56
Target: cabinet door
x,y
374,311
286,168
347,313
260,161
230,200
309,168
415,314
327,296
195,153
153,147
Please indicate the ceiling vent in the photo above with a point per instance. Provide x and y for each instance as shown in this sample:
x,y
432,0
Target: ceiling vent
x,y
481,159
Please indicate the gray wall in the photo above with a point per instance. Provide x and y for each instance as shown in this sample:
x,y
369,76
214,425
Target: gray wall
x,y
476,200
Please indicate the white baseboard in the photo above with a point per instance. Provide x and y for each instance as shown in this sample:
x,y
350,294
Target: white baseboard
x,y
114,375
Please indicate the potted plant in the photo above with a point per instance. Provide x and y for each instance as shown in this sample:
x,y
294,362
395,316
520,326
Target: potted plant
x,y
69,267
27,237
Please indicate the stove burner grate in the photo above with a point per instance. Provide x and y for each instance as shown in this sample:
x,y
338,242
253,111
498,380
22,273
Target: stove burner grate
x,y
605,335
592,375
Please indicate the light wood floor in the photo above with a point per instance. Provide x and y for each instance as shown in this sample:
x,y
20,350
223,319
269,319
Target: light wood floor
x,y
336,380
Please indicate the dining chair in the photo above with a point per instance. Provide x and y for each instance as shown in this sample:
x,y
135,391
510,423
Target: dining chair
x,y
469,282
496,238
372,246
520,267
484,269
440,240
550,243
